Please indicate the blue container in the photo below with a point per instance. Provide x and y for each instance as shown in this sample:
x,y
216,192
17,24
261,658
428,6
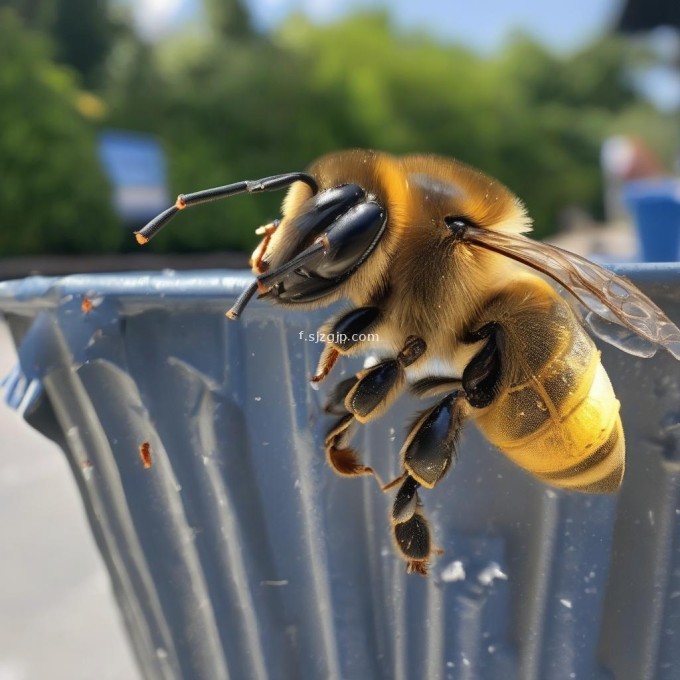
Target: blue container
x,y
135,165
655,205
234,551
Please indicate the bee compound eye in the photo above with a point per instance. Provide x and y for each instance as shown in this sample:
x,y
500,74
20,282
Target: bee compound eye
x,y
351,238
322,209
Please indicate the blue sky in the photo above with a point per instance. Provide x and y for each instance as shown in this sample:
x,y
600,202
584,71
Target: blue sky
x,y
481,24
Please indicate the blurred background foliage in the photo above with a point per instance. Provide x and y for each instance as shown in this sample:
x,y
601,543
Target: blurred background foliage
x,y
228,102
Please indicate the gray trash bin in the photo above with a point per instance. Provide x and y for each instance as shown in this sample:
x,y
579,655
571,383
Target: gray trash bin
x,y
234,552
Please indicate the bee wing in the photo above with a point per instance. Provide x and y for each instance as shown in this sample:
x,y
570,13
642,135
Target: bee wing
x,y
618,312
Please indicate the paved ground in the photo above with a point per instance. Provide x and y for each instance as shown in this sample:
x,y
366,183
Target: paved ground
x,y
58,619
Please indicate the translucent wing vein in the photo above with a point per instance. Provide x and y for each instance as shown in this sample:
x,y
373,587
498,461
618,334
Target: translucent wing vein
x,y
605,294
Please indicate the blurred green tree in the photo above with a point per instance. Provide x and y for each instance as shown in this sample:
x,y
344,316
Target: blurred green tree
x,y
228,110
230,104
53,193
534,120
229,18
82,31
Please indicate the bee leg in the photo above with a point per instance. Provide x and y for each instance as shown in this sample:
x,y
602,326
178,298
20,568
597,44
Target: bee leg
x,y
345,334
411,529
377,386
429,451
430,447
434,386
482,376
256,263
341,457
336,399
327,360
428,454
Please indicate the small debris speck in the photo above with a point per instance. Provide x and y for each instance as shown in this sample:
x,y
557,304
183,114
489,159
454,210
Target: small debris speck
x,y
566,603
145,455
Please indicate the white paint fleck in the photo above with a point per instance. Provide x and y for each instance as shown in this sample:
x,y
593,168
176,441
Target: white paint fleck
x,y
258,398
455,571
566,603
490,573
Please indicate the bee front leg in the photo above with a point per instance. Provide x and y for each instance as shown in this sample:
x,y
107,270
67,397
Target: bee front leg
x,y
345,335
256,261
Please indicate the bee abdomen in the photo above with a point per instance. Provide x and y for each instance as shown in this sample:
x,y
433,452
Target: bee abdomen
x,y
563,426
599,472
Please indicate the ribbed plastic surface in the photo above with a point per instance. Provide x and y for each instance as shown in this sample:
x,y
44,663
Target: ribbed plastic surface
x,y
239,554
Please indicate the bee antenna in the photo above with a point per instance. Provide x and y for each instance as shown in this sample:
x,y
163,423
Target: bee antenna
x,y
242,301
274,183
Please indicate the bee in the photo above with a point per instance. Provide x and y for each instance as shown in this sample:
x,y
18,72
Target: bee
x,y
432,256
